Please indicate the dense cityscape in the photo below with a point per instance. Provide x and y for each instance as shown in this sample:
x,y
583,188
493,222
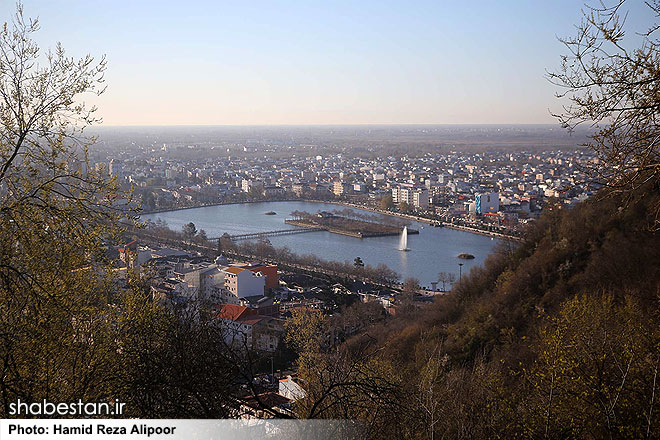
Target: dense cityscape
x,y
448,184
252,289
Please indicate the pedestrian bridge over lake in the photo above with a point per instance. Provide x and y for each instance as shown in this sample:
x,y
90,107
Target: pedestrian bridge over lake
x,y
269,234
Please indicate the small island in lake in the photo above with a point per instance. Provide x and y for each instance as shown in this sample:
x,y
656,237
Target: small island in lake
x,y
349,222
466,256
270,213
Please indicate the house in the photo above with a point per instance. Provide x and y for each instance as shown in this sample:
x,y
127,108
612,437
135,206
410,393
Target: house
x,y
177,295
253,408
268,270
127,252
244,327
290,389
204,277
339,187
262,304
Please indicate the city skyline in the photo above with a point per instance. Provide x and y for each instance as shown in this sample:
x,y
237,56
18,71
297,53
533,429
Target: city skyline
x,y
314,64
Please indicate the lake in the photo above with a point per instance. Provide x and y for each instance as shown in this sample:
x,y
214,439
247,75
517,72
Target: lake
x,y
433,250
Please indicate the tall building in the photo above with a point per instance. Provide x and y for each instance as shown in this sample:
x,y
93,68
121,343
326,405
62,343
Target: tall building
x,y
249,184
412,195
487,203
268,270
243,282
420,198
338,187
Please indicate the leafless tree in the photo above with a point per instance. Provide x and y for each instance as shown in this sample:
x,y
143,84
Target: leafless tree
x,y
446,277
616,90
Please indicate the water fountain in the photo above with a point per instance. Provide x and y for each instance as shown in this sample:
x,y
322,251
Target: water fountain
x,y
403,243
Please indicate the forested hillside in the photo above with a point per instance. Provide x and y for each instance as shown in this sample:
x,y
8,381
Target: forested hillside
x,y
557,338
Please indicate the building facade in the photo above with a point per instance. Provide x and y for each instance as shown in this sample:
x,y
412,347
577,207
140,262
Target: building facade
x,y
243,282
487,203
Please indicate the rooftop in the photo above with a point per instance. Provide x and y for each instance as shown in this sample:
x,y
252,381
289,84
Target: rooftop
x,y
234,312
234,270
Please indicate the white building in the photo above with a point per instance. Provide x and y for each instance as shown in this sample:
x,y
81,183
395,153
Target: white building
x,y
204,278
248,184
359,187
243,282
412,195
244,327
290,389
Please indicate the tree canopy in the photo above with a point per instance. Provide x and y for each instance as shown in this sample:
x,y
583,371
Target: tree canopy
x,y
56,217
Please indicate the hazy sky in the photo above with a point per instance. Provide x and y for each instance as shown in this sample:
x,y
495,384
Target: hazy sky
x,y
307,62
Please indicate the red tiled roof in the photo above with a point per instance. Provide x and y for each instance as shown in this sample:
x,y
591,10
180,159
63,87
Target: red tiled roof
x,y
130,246
234,312
234,270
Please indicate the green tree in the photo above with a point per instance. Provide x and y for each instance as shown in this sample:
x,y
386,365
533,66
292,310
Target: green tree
x,y
56,216
189,231
172,365
148,200
404,207
69,329
307,332
596,372
387,203
428,395
255,192
339,383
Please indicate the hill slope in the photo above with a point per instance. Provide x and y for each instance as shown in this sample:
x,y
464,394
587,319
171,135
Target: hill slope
x,y
556,338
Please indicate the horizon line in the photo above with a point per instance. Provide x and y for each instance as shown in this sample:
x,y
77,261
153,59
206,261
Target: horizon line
x,y
421,124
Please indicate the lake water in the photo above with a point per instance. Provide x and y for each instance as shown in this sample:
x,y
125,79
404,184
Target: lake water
x,y
433,250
